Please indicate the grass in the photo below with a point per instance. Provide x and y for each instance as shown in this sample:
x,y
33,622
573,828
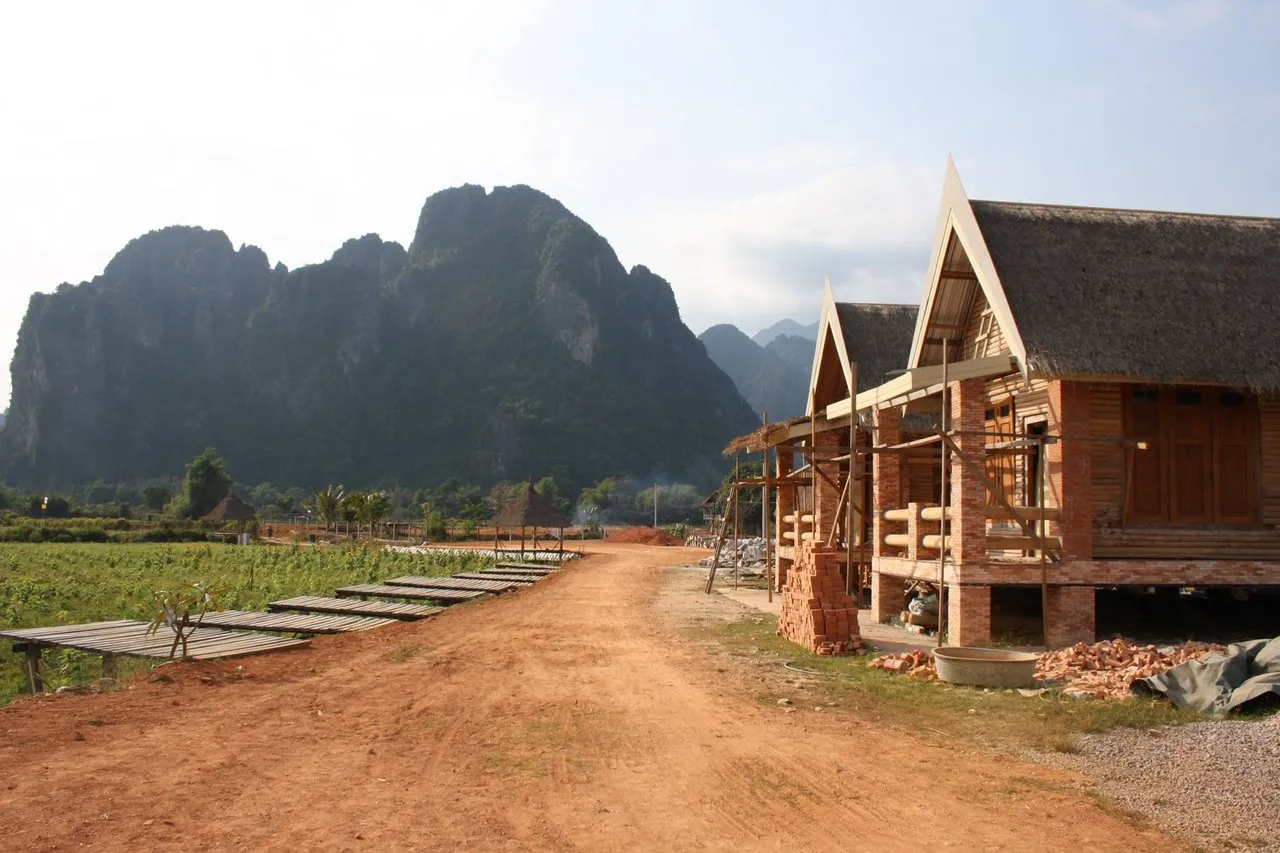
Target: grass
x,y
56,584
1047,722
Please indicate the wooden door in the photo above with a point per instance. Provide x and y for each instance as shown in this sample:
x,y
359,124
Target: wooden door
x,y
1191,457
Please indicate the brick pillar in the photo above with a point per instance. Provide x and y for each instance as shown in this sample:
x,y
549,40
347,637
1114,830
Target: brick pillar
x,y
1069,468
968,494
968,615
914,530
886,474
826,495
888,596
786,498
1071,615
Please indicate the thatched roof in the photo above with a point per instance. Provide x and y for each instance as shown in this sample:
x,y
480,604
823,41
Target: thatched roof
x,y
231,508
529,509
877,337
1163,297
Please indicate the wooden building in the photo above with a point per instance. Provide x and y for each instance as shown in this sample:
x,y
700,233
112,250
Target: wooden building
x,y
1098,394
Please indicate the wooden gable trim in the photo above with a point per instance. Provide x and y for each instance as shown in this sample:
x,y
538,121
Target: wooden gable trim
x,y
829,322
955,215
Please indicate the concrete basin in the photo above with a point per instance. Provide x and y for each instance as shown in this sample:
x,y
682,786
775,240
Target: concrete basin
x,y
985,667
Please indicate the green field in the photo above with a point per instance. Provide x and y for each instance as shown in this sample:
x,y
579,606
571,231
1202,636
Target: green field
x,y
55,584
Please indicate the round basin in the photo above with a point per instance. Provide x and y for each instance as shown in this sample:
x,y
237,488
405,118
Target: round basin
x,y
985,667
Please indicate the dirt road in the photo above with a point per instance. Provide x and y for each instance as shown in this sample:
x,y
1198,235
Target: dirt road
x,y
562,717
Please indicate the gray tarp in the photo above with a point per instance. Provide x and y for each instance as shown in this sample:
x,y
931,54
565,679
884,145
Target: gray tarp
x,y
1247,677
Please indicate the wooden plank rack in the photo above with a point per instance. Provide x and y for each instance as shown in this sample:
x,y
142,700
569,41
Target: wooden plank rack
x,y
377,590
486,584
292,623
518,568
544,568
511,577
354,607
129,638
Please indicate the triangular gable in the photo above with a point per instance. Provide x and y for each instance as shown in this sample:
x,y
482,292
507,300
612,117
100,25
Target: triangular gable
x,y
830,346
955,216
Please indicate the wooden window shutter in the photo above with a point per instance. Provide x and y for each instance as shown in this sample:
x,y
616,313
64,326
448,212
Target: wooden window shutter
x,y
1233,458
1148,487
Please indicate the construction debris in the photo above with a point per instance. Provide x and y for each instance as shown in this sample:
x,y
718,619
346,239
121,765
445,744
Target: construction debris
x,y
1103,670
741,552
918,664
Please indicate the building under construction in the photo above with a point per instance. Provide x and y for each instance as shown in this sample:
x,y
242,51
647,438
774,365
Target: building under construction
x,y
1084,398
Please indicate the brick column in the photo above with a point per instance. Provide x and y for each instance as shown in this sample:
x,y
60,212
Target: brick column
x,y
968,615
886,474
1071,615
786,498
968,494
888,596
826,495
914,530
1069,468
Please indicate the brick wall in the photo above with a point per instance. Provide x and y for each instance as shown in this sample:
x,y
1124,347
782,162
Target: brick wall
x,y
968,494
817,613
826,492
968,615
886,473
888,596
1071,615
1069,467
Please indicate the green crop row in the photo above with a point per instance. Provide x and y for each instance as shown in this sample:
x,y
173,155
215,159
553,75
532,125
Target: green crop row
x,y
60,584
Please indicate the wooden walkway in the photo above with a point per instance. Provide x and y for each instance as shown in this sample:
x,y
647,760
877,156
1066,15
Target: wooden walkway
x,y
355,607
486,584
292,623
377,590
513,577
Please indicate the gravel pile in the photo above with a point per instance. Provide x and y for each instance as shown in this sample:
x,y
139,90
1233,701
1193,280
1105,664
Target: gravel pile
x,y
1215,783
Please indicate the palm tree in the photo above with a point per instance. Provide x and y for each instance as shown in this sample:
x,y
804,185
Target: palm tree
x,y
328,504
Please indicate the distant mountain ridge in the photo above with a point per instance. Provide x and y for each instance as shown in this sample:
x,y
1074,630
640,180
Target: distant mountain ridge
x,y
774,379
507,341
766,336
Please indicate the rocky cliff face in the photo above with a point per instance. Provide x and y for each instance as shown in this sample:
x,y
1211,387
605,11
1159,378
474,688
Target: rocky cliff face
x,y
507,341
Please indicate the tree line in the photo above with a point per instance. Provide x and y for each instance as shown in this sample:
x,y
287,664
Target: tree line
x,y
452,503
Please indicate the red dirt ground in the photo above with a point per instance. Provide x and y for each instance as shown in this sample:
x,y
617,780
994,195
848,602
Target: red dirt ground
x,y
565,716
642,536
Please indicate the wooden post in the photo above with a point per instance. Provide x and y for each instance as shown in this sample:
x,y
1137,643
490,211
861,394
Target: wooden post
x,y
34,668
724,528
522,543
852,572
764,517
109,665
1044,568
946,503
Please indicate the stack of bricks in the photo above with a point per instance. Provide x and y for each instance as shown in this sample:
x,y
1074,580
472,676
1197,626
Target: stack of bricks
x,y
817,613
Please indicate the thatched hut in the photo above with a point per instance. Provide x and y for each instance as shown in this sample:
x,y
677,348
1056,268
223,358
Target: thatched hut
x,y
231,508
525,510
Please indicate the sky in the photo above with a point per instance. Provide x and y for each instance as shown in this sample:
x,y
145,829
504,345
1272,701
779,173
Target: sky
x,y
741,150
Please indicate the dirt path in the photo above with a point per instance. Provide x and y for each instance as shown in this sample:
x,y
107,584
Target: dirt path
x,y
562,717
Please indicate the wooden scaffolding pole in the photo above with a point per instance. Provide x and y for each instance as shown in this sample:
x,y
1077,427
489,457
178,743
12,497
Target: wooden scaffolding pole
x,y
764,516
724,528
944,500
1044,565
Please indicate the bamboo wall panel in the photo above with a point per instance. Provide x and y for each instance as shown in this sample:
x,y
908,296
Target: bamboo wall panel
x,y
982,334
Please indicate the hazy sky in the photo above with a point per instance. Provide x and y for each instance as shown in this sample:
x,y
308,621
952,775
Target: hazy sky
x,y
739,149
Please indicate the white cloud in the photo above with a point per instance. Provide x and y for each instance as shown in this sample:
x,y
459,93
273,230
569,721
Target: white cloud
x,y
762,257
